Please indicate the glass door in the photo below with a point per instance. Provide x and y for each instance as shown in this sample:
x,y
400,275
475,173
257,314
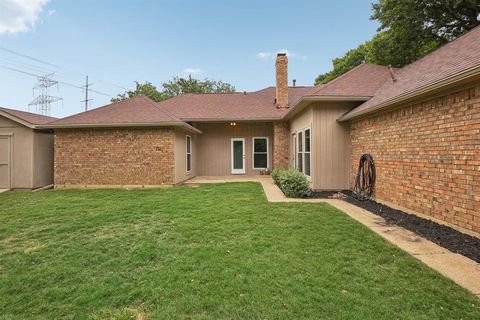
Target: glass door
x,y
238,156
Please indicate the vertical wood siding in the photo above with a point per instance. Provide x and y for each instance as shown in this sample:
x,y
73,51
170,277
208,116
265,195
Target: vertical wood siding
x,y
331,146
214,152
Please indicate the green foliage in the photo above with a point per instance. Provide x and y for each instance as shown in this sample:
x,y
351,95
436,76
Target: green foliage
x,y
344,64
409,30
175,87
292,182
213,252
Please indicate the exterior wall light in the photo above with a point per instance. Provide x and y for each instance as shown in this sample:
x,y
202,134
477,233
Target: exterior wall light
x,y
233,123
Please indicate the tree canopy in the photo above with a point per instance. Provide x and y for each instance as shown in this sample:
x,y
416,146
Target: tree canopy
x,y
409,30
175,87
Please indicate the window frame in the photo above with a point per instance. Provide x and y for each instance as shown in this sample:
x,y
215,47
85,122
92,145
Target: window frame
x,y
309,152
299,150
267,152
187,153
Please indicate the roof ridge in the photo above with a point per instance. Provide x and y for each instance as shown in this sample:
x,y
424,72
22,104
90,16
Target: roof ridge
x,y
163,109
409,66
9,112
447,44
361,65
103,107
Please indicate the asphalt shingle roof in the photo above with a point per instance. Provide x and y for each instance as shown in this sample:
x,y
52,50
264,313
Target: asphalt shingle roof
x,y
449,60
135,110
29,117
231,106
362,81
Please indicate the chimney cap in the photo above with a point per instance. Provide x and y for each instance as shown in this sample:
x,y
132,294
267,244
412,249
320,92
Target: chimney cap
x,y
281,54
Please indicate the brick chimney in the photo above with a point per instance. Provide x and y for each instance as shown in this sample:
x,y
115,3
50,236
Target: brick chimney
x,y
281,92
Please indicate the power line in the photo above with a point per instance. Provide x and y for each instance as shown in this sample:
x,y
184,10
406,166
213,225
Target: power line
x,y
29,57
60,82
55,66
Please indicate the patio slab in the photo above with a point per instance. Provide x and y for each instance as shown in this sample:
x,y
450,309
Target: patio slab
x,y
462,270
3,190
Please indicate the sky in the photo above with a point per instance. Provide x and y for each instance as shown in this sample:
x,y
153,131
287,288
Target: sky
x,y
118,42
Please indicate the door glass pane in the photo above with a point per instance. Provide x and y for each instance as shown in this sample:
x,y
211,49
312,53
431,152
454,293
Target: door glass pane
x,y
237,154
260,145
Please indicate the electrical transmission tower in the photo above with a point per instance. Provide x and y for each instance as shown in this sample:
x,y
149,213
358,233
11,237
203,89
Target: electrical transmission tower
x,y
44,100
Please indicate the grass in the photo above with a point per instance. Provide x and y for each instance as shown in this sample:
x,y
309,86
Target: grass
x,y
213,252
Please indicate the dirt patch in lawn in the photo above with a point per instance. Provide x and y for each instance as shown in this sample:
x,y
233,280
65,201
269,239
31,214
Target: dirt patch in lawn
x,y
447,237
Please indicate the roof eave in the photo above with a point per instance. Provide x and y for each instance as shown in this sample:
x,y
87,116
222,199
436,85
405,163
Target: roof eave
x,y
313,98
121,125
469,73
231,119
17,119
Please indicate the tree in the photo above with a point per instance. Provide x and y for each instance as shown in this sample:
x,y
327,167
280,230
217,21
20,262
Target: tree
x,y
343,64
409,30
441,20
175,87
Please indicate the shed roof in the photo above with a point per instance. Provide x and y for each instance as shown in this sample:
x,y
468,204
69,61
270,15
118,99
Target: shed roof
x,y
26,118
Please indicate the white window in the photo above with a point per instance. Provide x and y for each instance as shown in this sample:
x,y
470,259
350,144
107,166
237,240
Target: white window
x,y
188,152
294,150
303,146
300,151
306,152
260,153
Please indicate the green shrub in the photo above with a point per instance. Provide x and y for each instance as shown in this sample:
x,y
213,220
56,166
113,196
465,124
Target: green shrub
x,y
276,174
293,183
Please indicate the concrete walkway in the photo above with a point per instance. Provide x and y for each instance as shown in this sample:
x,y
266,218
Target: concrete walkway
x,y
3,190
462,270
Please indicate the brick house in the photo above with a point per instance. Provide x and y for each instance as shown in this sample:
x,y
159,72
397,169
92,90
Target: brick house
x,y
421,124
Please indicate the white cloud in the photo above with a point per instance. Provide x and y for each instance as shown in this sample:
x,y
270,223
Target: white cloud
x,y
289,54
264,55
19,15
51,12
269,55
192,71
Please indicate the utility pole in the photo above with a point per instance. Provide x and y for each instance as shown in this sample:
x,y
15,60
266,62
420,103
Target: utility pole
x,y
86,86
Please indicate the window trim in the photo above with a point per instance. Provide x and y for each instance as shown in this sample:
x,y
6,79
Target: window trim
x,y
309,152
294,147
187,137
301,143
298,142
253,153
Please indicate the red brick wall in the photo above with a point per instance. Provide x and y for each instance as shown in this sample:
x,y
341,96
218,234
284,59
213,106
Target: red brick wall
x,y
427,156
281,143
114,157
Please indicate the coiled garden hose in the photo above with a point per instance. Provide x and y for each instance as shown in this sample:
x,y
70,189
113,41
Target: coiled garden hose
x,y
365,179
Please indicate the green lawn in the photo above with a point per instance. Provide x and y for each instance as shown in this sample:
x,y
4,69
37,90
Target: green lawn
x,y
216,252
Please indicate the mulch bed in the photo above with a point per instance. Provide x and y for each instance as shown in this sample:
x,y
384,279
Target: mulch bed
x,y
442,235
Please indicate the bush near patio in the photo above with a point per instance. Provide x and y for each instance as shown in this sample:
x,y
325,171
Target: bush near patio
x,y
292,182
212,252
